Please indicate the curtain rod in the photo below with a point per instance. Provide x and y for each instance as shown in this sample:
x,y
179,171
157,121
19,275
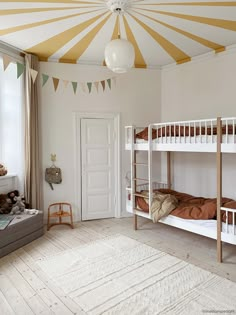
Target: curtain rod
x,y
12,48
11,51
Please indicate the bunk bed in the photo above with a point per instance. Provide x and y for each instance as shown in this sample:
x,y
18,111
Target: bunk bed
x,y
217,136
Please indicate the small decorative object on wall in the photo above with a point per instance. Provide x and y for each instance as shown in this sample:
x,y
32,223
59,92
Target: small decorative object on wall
x,y
53,158
3,170
53,174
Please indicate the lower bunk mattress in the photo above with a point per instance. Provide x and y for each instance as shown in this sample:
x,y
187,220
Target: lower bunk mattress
x,y
185,206
190,213
206,228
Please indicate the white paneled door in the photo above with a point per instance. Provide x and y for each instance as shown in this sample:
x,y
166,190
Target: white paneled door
x,y
97,164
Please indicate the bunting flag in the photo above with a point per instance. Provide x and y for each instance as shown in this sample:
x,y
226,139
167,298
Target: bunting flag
x,y
83,86
6,61
109,83
33,74
45,78
74,85
20,69
89,84
96,84
103,84
55,83
65,82
114,80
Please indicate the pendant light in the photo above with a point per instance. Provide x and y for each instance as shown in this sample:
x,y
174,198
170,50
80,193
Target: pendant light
x,y
119,53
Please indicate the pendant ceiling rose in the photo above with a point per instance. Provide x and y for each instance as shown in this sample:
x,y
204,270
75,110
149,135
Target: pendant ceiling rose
x,y
118,6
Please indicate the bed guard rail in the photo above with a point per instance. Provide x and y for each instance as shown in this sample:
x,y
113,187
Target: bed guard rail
x,y
155,185
130,132
191,131
229,216
141,187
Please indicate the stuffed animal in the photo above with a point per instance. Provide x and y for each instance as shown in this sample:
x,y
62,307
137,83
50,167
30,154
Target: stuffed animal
x,y
15,193
5,204
12,194
3,170
19,206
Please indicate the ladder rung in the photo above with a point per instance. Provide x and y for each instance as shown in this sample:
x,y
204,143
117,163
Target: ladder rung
x,y
146,180
140,195
140,210
140,164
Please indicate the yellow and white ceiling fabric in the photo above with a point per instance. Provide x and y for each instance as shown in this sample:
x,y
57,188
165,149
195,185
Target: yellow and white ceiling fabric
x,y
77,31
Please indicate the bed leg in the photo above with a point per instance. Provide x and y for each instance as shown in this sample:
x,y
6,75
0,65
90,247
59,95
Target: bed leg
x,y
135,222
219,188
219,251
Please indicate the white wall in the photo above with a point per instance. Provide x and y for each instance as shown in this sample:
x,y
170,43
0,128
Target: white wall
x,y
205,88
137,97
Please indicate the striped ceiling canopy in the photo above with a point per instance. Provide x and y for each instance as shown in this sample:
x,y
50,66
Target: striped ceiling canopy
x,y
77,31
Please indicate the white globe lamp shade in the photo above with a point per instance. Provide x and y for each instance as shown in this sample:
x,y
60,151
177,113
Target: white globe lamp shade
x,y
119,55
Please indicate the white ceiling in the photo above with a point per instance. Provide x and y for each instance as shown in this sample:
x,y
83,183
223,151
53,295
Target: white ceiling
x,y
162,32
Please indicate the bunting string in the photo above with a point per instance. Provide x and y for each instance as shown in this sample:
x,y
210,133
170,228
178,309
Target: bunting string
x,y
86,87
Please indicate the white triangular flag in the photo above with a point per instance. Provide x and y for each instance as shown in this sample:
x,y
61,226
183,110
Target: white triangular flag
x,y
96,84
33,74
83,86
65,82
114,80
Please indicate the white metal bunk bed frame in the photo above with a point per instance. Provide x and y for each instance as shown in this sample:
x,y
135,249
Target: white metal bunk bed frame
x,y
198,142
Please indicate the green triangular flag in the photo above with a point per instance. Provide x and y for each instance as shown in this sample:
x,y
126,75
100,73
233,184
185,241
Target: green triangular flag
x,y
74,84
45,78
109,83
20,69
89,84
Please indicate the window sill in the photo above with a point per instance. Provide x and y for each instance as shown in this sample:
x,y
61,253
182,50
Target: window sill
x,y
7,176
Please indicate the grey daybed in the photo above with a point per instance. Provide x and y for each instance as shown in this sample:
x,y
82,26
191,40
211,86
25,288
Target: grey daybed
x,y
23,229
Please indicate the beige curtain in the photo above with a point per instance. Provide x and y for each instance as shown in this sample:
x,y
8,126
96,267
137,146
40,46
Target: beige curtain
x,y
33,168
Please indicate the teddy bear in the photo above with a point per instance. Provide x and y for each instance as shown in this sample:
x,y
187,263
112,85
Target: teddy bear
x,y
19,205
3,170
15,193
12,194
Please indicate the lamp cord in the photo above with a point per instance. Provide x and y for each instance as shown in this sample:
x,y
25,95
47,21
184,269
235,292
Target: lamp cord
x,y
118,12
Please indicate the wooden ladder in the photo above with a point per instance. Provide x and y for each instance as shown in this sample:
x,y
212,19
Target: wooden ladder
x,y
135,179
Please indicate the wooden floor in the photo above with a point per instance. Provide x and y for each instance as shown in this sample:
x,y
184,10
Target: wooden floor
x,y
24,288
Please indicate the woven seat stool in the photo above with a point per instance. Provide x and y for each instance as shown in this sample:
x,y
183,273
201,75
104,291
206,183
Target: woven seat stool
x,y
60,210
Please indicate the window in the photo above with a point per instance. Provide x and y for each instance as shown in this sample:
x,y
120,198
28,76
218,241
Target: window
x,y
11,121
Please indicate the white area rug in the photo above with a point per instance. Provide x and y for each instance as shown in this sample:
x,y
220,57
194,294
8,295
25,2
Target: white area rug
x,y
118,275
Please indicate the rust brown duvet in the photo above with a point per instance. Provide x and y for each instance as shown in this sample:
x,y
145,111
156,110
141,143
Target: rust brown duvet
x,y
181,131
191,207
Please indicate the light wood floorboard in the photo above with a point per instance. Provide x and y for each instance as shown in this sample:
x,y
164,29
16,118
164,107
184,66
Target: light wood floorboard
x,y
26,289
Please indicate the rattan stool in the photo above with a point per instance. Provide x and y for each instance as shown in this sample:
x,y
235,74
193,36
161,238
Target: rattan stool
x,y
63,210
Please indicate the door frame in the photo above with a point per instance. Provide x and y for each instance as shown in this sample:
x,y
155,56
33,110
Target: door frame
x,y
78,116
